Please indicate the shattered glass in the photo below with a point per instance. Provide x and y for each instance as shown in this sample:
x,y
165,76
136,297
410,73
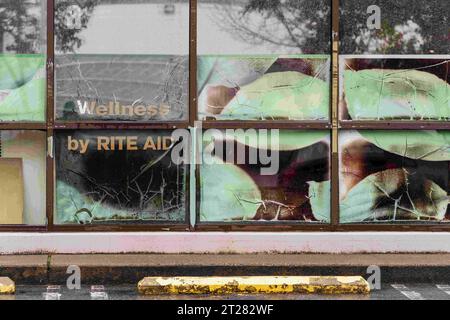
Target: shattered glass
x,y
395,89
102,73
234,187
392,176
263,88
116,183
156,87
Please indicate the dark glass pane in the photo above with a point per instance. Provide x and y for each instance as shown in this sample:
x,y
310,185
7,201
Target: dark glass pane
x,y
118,177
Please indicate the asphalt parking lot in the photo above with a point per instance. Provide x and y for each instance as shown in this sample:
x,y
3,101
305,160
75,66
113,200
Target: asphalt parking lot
x,y
389,291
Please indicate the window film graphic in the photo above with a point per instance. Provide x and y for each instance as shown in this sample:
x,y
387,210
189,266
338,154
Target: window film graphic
x,y
124,177
121,87
394,27
234,186
391,176
263,88
263,27
142,77
22,88
22,173
22,60
395,89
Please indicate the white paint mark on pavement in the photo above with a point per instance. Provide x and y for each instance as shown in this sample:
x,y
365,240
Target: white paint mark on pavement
x,y
444,287
98,293
411,295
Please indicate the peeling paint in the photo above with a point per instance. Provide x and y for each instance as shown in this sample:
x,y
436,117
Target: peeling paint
x,y
232,285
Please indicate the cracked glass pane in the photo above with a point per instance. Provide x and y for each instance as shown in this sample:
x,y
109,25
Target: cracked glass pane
x,y
394,27
392,176
122,61
107,177
255,176
395,89
122,87
263,27
263,88
22,172
23,48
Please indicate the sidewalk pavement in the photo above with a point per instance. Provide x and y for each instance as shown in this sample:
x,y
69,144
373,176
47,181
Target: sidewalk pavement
x,y
130,268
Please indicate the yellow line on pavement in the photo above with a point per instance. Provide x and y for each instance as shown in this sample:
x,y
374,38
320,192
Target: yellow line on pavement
x,y
254,284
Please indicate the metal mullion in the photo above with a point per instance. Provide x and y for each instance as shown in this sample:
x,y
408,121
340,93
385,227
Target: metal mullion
x,y
394,125
267,124
117,125
335,115
50,165
193,108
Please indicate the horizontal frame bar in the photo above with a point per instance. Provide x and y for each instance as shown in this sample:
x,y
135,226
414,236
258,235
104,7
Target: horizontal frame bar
x,y
219,124
99,125
23,126
395,125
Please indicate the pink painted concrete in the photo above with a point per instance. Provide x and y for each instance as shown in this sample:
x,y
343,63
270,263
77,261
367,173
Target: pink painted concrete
x,y
218,242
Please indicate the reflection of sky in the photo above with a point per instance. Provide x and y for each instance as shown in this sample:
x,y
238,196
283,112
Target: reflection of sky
x,y
146,29
213,39
140,29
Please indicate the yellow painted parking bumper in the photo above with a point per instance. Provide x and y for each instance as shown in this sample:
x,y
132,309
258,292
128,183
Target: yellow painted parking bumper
x,y
7,286
252,285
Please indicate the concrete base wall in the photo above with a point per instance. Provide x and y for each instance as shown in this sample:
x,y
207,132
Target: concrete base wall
x,y
221,242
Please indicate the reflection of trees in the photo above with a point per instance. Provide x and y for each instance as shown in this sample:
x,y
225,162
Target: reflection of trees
x,y
66,36
301,25
407,27
16,21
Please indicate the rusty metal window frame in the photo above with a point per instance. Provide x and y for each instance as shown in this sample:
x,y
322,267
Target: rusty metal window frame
x,y
334,125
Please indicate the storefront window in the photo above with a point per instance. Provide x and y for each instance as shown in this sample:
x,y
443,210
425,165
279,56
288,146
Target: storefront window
x,y
290,115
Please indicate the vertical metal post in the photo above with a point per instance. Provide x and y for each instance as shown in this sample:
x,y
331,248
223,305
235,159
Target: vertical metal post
x,y
50,173
335,115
